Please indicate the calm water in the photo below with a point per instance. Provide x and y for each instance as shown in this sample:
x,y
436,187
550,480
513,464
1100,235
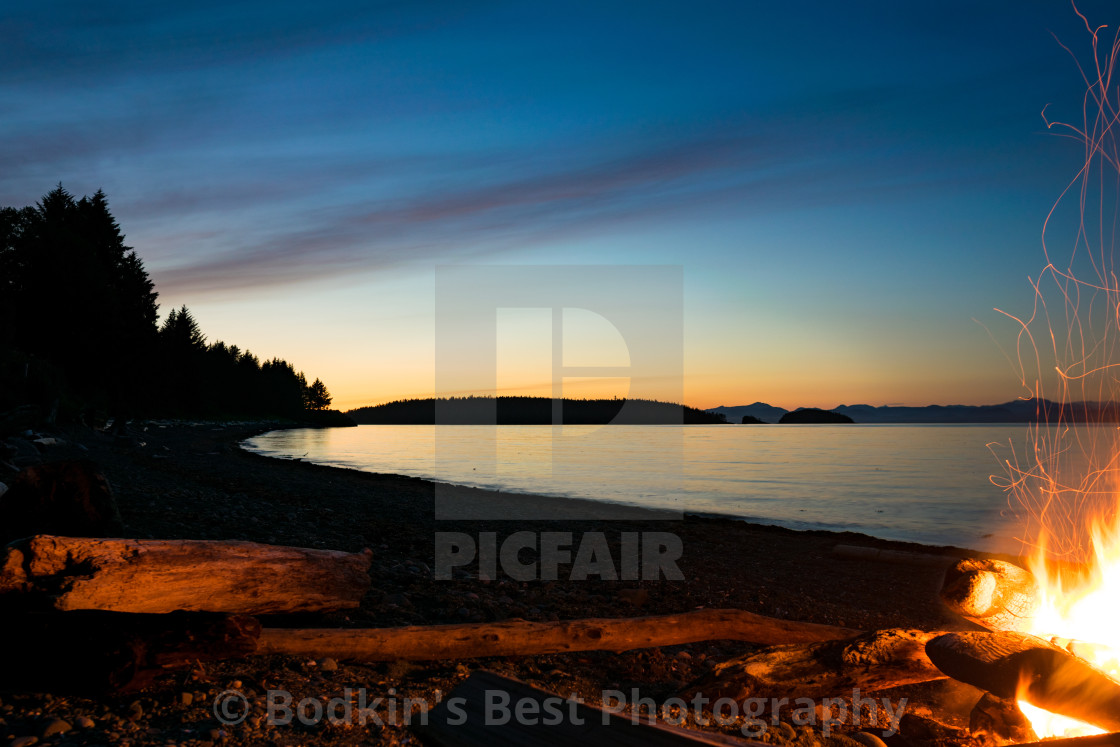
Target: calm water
x,y
919,483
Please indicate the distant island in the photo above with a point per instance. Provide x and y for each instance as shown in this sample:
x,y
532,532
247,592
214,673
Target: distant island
x,y
531,411
1016,411
806,415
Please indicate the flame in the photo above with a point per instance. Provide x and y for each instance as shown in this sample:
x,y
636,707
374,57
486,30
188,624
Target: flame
x,y
1078,611
1066,483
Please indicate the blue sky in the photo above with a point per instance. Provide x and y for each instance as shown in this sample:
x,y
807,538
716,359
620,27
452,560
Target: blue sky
x,y
847,186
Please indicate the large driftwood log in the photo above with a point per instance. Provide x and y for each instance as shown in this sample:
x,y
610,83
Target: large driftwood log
x,y
872,661
130,575
994,594
105,652
522,638
1021,666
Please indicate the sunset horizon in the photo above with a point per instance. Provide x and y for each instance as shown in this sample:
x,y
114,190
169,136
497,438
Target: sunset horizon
x,y
845,232
504,373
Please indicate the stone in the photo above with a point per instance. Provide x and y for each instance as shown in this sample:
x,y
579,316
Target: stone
x,y
22,453
84,722
55,726
23,742
867,739
328,665
186,698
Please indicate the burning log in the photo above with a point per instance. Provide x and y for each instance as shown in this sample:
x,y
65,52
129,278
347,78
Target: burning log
x,y
1000,719
130,575
1020,666
994,594
522,638
872,661
106,652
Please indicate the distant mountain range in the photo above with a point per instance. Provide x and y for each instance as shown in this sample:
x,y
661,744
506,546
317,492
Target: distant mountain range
x,y
1016,411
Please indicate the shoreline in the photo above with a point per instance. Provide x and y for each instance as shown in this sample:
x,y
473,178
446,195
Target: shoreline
x,y
193,482
609,509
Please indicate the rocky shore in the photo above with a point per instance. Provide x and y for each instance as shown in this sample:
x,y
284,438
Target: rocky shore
x,y
192,481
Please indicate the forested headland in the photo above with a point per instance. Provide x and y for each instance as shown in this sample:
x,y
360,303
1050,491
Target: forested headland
x,y
530,411
81,339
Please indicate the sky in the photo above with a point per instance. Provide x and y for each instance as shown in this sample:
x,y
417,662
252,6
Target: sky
x,y
846,190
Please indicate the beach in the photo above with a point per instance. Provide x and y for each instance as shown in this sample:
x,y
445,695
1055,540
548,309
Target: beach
x,y
194,482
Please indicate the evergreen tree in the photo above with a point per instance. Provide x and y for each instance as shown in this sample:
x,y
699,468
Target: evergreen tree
x,y
75,296
318,398
79,321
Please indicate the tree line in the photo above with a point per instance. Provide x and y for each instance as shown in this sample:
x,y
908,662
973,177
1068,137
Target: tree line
x,y
80,335
474,410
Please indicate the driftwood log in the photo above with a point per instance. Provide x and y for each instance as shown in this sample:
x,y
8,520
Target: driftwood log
x,y
522,638
994,594
1021,666
872,661
132,575
105,652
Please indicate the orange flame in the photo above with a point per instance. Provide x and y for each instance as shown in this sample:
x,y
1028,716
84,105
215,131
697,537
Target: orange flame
x,y
1078,611
1067,483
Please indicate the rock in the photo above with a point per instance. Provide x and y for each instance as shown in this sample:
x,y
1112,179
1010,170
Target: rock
x,y
328,665
813,415
44,441
867,739
69,498
22,453
786,732
186,698
55,726
84,722
23,741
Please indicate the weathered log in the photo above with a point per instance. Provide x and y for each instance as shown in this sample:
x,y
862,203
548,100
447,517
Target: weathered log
x,y
1097,740
522,638
131,575
872,661
1024,667
69,497
93,652
994,594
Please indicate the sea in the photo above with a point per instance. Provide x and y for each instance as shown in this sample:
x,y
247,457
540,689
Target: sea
x,y
930,484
